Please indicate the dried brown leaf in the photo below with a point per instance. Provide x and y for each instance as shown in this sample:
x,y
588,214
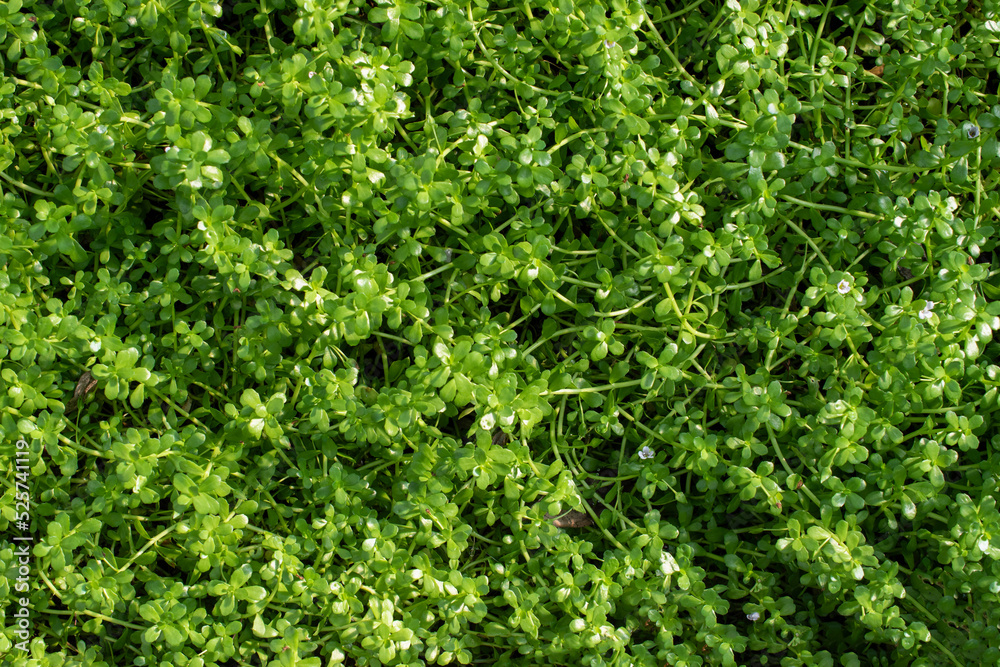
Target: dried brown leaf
x,y
85,385
573,519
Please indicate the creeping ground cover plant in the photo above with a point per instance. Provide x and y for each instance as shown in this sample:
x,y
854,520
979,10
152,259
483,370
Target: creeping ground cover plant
x,y
522,332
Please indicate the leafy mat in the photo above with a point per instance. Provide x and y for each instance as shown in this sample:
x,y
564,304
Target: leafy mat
x,y
539,332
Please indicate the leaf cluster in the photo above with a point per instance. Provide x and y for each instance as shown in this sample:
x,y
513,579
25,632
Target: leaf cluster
x,y
524,333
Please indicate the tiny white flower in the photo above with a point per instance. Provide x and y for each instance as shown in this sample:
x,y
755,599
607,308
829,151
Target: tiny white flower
x,y
312,74
755,616
608,43
928,310
487,422
646,453
131,20
843,287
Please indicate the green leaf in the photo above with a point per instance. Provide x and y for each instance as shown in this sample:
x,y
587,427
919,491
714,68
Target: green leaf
x,y
150,613
138,396
251,593
227,605
174,636
276,404
91,525
204,504
261,630
185,485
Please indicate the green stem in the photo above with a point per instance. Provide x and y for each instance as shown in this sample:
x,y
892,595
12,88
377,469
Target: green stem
x,y
106,619
24,186
93,452
406,137
591,390
809,241
542,341
912,600
812,57
626,311
551,49
442,221
267,27
508,75
683,322
784,463
737,124
156,538
831,208
668,51
555,436
179,409
565,141
755,282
